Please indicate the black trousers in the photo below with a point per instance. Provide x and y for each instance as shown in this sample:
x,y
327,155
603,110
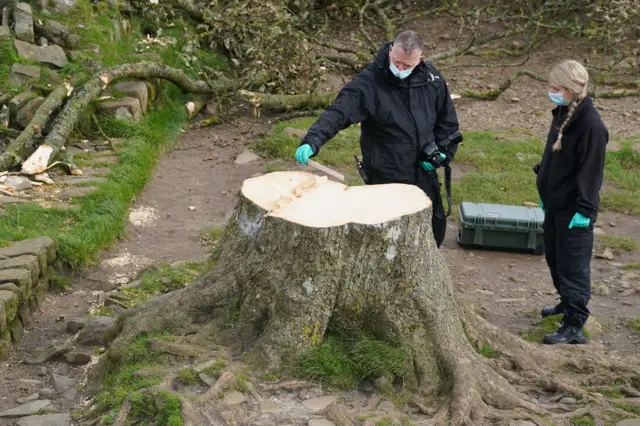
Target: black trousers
x,y
568,254
430,184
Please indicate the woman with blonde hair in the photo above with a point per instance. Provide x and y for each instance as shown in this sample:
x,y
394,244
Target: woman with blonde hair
x,y
569,178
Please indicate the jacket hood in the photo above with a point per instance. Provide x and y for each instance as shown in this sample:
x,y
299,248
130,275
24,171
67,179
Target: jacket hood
x,y
421,73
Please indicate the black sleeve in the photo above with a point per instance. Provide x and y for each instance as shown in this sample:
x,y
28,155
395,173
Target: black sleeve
x,y
348,108
446,129
591,157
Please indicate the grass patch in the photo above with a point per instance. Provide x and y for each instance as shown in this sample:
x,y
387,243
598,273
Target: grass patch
x,y
611,393
634,325
59,283
617,243
121,381
188,376
622,168
162,279
337,153
629,408
546,326
583,421
101,216
342,361
216,369
9,57
631,266
487,351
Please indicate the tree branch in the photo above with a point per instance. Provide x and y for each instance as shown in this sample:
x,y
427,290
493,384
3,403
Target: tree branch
x,y
20,147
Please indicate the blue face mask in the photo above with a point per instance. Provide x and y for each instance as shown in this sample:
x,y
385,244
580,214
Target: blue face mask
x,y
557,98
400,74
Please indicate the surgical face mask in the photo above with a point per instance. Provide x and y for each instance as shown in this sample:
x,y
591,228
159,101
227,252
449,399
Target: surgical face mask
x,y
400,74
557,98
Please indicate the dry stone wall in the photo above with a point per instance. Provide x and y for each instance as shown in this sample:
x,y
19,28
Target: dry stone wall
x,y
24,281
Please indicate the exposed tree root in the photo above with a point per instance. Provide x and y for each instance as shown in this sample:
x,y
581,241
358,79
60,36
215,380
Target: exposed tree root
x,y
238,305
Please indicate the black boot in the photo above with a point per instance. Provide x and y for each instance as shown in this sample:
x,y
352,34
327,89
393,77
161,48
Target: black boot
x,y
551,310
567,334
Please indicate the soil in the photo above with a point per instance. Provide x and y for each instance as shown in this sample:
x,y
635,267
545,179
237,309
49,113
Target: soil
x,y
508,288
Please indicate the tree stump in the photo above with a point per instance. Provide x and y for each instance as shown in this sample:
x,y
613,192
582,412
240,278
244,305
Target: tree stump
x,y
302,254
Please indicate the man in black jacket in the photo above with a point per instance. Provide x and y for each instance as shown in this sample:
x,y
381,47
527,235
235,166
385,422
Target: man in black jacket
x,y
409,126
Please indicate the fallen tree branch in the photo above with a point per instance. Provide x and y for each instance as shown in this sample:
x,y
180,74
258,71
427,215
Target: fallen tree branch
x,y
454,66
388,24
492,95
279,103
195,104
20,147
67,119
12,133
364,33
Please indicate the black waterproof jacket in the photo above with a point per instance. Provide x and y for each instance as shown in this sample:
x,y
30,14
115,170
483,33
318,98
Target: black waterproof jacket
x,y
570,179
400,119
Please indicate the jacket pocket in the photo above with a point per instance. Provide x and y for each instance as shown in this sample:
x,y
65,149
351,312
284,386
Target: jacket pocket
x,y
394,159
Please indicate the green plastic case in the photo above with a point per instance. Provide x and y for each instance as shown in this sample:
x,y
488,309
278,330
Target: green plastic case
x,y
500,226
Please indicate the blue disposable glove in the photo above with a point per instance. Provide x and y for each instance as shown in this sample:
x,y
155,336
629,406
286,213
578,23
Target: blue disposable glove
x,y
540,203
428,166
303,153
579,221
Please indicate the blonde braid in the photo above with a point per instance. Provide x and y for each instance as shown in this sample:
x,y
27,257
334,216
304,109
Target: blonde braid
x,y
557,146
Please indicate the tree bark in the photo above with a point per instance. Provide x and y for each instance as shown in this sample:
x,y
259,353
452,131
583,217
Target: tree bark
x,y
301,255
23,145
280,103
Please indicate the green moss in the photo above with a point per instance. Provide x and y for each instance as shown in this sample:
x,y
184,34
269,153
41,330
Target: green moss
x,y
163,279
385,422
546,326
583,421
634,325
120,381
342,361
210,237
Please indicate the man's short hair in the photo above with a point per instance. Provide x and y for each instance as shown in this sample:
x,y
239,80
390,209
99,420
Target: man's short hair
x,y
409,41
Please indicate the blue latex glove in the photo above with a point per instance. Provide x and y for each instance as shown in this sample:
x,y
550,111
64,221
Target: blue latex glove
x,y
428,166
303,153
579,221
540,203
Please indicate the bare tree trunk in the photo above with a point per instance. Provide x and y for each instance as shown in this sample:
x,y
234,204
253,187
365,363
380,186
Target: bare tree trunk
x,y
302,254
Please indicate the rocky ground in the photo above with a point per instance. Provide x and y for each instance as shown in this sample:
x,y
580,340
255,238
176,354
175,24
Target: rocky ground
x,y
193,191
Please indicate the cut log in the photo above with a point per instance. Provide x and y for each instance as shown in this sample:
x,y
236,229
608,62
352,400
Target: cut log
x,y
302,254
23,145
67,119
